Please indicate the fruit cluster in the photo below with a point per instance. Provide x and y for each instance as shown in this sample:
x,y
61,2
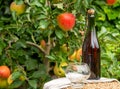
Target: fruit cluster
x,y
4,74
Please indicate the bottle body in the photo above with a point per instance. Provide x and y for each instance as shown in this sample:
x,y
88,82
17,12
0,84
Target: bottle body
x,y
91,49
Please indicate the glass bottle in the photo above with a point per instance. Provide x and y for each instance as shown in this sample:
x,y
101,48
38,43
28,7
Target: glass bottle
x,y
91,47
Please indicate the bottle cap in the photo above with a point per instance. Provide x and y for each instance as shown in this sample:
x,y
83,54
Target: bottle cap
x,y
91,11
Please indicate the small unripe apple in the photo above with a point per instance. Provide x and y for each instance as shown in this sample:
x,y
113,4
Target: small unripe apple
x,y
42,43
110,2
66,21
3,83
18,8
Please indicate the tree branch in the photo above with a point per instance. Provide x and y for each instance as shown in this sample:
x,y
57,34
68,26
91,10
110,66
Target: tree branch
x,y
37,46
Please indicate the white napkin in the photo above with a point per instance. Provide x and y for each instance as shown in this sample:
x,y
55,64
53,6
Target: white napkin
x,y
64,82
102,80
57,83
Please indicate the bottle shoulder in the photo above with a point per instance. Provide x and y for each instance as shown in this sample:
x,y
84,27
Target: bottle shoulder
x,y
91,40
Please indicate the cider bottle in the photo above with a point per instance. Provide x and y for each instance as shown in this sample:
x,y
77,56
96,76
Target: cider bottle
x,y
91,47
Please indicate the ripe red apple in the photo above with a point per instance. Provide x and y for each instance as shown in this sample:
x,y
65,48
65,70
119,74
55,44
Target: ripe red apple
x,y
66,21
4,72
110,2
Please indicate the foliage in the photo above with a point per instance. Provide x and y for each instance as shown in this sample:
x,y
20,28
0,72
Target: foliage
x,y
109,35
21,35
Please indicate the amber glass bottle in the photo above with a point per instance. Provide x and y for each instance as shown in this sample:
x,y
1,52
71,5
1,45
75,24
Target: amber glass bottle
x,y
91,47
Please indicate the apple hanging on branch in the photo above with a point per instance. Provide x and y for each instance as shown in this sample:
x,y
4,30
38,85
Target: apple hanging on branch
x,y
4,72
18,8
111,2
66,21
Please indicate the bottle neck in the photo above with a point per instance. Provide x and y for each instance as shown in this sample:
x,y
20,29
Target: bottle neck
x,y
91,22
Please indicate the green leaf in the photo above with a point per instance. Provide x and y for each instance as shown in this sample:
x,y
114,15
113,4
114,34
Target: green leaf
x,y
77,4
42,16
59,34
1,28
16,75
16,84
46,33
33,83
37,74
60,5
36,3
43,24
14,15
19,44
31,64
112,15
101,17
18,2
2,45
42,1
103,32
50,57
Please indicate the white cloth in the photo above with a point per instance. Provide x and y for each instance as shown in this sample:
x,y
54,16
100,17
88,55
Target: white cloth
x,y
102,80
64,82
57,83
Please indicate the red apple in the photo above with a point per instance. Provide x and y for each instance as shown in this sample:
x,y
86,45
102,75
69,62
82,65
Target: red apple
x,y
110,2
4,72
66,21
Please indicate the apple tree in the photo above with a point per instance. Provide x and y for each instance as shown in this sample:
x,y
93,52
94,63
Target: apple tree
x,y
32,42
